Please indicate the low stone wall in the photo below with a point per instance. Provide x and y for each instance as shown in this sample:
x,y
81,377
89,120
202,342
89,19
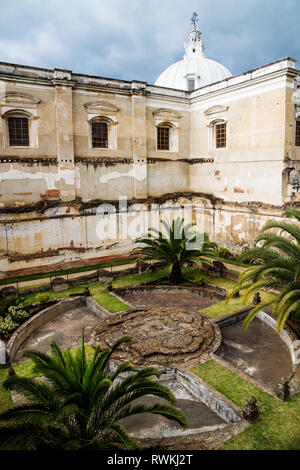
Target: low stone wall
x,y
209,292
232,276
203,392
233,318
208,395
96,308
25,330
287,335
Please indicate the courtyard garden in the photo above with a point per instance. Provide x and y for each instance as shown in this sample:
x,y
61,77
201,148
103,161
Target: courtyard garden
x,y
150,303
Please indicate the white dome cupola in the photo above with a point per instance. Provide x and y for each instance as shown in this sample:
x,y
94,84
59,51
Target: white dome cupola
x,y
194,71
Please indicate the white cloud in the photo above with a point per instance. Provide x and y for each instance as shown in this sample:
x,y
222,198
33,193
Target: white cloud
x,y
134,39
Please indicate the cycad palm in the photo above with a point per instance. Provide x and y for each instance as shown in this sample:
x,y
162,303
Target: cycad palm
x,y
178,246
80,405
280,270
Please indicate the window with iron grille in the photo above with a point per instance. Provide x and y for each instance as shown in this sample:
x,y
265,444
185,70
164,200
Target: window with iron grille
x,y
99,135
297,134
220,130
163,138
18,131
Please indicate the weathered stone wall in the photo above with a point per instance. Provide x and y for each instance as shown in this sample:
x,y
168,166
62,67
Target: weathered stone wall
x,y
250,167
66,233
49,192
36,321
24,182
287,335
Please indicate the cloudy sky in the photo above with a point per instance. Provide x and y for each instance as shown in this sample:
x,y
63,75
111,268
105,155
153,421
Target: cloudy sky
x,y
138,39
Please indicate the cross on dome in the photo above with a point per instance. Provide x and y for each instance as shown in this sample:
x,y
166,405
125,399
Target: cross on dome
x,y
195,70
195,46
194,19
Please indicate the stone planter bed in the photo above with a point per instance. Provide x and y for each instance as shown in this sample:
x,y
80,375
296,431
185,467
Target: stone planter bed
x,y
33,310
211,417
185,296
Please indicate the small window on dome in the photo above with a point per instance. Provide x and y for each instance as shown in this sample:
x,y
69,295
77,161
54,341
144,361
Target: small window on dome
x,y
191,84
194,50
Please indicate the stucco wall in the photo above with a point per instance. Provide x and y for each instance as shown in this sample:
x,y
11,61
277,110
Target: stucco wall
x,y
62,172
83,234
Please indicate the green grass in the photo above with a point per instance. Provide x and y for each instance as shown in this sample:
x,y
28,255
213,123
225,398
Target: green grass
x,y
33,277
104,298
98,292
23,290
278,427
234,305
31,298
114,305
223,308
133,279
25,370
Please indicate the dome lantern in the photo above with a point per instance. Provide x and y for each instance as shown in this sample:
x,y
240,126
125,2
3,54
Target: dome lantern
x,y
194,71
195,46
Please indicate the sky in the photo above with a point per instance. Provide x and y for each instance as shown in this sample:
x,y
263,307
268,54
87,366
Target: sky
x,y
139,39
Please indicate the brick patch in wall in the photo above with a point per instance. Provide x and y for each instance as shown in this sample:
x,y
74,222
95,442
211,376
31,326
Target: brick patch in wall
x,y
51,194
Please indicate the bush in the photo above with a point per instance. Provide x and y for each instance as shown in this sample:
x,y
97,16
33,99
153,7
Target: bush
x,y
42,298
200,281
6,303
224,253
17,314
7,325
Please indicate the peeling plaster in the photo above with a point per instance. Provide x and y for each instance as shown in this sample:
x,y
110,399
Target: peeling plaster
x,y
138,172
13,174
51,179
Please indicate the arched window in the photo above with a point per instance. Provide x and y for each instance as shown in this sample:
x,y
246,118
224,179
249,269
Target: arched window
x,y
220,135
18,128
163,136
100,133
217,134
18,131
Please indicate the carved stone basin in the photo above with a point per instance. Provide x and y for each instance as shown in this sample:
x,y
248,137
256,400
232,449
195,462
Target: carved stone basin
x,y
160,336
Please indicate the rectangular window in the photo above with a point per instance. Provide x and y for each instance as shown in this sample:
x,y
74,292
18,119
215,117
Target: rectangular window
x,y
18,131
163,140
297,134
191,85
99,135
220,136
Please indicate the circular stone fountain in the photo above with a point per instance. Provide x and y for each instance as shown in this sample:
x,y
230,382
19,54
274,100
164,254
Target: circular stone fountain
x,y
161,336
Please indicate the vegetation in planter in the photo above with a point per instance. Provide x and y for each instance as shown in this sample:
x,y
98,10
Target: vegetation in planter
x,y
42,298
17,314
7,325
6,303
199,280
224,253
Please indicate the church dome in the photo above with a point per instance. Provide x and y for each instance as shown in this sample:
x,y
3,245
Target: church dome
x,y
195,70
